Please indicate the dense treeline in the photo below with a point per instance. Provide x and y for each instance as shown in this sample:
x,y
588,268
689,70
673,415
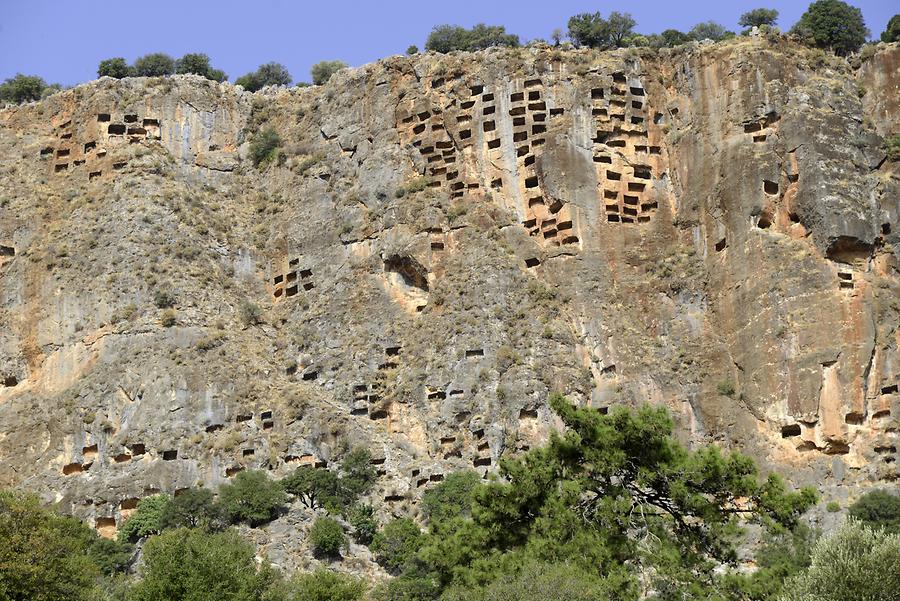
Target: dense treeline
x,y
160,64
613,508
828,24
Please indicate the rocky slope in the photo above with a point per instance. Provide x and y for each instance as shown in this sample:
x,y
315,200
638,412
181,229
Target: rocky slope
x,y
443,241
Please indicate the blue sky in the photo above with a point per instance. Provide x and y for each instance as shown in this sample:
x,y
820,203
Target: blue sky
x,y
64,40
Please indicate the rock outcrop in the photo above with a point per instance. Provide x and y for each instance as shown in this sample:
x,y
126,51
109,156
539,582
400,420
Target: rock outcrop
x,y
440,243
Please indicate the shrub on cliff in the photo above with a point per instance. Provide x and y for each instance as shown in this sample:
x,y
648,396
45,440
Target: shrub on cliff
x,y
324,585
396,544
327,538
157,64
147,519
447,38
891,146
113,67
252,498
322,71
193,565
878,509
357,474
22,88
264,147
451,498
834,25
362,520
854,562
269,74
193,508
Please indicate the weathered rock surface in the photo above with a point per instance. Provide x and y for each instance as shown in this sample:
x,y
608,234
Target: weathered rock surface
x,y
447,240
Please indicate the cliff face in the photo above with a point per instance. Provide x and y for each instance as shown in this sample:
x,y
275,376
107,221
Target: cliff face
x,y
445,241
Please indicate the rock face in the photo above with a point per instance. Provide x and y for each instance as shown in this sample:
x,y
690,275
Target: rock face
x,y
441,242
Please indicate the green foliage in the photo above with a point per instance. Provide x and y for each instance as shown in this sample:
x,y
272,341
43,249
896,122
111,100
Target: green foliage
x,y
194,565
891,146
250,313
319,487
853,562
146,520
710,30
163,299
547,581
451,498
168,318
264,147
252,498
832,24
784,554
362,520
193,508
759,17
325,585
322,71
315,487
591,29
892,31
111,556
833,507
22,88
113,67
198,64
669,39
269,74
725,388
613,495
878,509
43,556
413,49
357,474
327,537
396,543
447,38
416,185
157,64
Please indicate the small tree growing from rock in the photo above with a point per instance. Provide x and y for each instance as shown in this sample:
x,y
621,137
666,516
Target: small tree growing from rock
x,y
322,71
252,498
157,64
113,67
327,537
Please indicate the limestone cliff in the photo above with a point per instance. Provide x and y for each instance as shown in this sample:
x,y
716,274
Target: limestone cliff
x,y
443,242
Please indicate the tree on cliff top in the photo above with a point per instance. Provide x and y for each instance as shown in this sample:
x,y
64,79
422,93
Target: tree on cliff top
x,y
114,67
447,38
269,74
322,71
198,64
759,17
157,64
591,29
24,88
892,31
832,24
